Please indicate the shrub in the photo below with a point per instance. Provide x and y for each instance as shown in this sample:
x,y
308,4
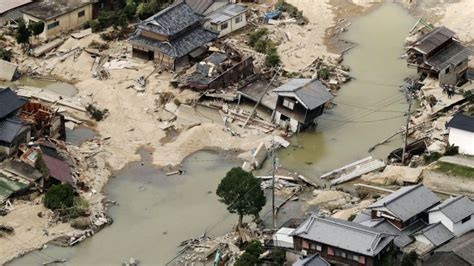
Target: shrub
x,y
323,73
36,28
451,150
468,95
429,158
272,59
257,35
97,114
22,33
59,197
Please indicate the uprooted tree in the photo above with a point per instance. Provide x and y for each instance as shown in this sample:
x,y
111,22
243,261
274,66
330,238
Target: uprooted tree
x,y
242,193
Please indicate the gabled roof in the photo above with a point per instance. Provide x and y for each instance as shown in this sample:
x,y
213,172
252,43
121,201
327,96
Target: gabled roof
x,y
50,9
7,5
461,246
456,208
436,233
226,13
430,41
171,20
9,102
9,129
461,121
344,234
403,237
314,260
179,46
199,6
453,54
407,202
309,92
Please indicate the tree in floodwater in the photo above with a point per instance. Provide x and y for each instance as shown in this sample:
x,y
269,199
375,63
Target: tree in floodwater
x,y
242,193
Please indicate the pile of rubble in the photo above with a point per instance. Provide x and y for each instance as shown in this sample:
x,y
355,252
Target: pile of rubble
x,y
329,71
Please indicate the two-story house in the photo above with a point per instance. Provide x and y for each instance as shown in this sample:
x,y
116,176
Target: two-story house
x,y
455,213
171,36
341,242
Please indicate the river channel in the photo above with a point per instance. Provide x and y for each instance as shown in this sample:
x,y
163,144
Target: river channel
x,y
156,212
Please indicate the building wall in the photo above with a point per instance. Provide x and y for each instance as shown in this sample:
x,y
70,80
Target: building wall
x,y
67,21
462,228
232,25
23,137
437,216
463,139
454,73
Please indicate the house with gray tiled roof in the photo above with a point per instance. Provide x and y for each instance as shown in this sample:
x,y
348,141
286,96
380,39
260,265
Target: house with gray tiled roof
x,y
340,241
13,131
405,206
171,36
456,213
433,236
458,252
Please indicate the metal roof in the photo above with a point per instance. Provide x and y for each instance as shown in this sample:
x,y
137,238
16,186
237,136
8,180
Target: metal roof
x,y
436,233
461,121
314,260
430,41
309,92
407,201
453,54
172,20
225,13
7,5
58,169
9,102
8,187
178,47
344,234
9,129
456,208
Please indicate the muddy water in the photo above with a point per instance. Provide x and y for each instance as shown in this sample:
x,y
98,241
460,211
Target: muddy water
x,y
79,135
370,108
61,88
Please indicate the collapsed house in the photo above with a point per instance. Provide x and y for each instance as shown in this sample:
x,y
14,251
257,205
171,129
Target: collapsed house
x,y
300,102
438,54
58,16
171,37
218,71
10,10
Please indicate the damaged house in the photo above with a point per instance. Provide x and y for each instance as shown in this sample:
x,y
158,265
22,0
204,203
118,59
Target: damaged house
x,y
13,131
438,54
300,102
171,37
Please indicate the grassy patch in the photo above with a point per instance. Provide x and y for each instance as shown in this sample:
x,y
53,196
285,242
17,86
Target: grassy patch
x,y
454,169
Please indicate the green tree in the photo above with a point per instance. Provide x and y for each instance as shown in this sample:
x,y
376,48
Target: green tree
x,y
241,192
272,59
251,255
36,28
59,197
409,259
246,259
22,33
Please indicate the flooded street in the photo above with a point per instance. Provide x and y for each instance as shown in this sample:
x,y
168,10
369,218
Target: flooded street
x,y
369,108
156,212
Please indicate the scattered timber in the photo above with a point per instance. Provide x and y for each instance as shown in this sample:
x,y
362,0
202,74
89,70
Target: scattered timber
x,y
359,170
374,188
344,168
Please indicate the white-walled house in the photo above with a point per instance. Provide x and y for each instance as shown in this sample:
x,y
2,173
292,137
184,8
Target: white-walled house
x,y
227,19
455,213
461,133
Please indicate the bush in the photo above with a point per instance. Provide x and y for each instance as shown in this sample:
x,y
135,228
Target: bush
x,y
272,59
293,12
256,36
323,73
22,33
36,28
451,150
429,158
59,197
97,114
468,95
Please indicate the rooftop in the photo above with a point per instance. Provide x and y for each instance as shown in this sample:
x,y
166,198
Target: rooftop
x,y
172,20
9,102
461,121
309,92
461,246
453,54
402,237
7,5
456,208
430,41
199,6
58,169
50,9
344,234
314,260
436,233
407,202
225,13
9,129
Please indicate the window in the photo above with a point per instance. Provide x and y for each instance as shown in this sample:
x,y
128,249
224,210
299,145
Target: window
x,y
340,253
305,244
53,25
466,219
330,251
355,258
238,19
81,13
446,71
289,104
224,26
319,248
362,260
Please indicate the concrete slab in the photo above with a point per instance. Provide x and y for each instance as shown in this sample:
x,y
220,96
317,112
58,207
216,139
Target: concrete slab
x,y
466,161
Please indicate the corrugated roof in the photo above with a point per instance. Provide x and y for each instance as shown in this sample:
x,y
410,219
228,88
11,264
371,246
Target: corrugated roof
x,y
8,187
7,70
314,260
436,233
461,121
430,41
58,169
407,201
9,102
456,208
7,5
462,246
9,129
453,54
199,6
344,234
226,12
180,46
310,92
172,20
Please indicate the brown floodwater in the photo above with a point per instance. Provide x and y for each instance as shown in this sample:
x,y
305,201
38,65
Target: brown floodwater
x,y
156,212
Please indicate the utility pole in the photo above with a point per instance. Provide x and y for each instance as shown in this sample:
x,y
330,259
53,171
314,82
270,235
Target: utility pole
x,y
410,100
273,183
